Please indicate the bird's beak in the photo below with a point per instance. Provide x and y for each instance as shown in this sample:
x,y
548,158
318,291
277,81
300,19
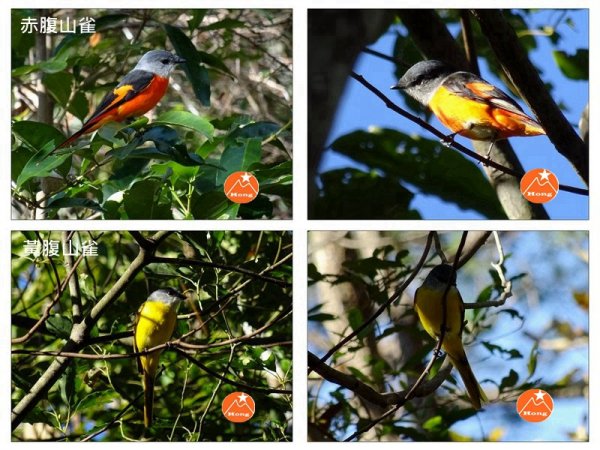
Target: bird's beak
x,y
178,60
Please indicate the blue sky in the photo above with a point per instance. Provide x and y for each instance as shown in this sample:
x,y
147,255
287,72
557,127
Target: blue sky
x,y
359,108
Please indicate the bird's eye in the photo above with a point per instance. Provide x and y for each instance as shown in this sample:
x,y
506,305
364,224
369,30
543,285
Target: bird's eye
x,y
165,61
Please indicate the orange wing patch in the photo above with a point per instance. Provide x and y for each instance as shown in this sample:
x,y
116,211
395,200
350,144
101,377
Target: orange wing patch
x,y
478,114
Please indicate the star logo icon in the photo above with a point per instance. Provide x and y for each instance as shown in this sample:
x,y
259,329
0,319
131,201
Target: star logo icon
x,y
545,174
241,187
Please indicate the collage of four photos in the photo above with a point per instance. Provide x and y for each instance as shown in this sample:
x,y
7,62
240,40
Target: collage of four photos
x,y
382,307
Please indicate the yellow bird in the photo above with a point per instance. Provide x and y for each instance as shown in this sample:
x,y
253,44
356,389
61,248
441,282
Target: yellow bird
x,y
154,325
428,304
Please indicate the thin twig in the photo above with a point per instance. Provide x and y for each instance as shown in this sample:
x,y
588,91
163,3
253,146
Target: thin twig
x,y
506,284
436,351
214,265
231,382
384,306
461,148
438,247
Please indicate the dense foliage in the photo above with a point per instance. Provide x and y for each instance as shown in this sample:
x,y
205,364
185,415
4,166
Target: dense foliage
x,y
235,328
228,109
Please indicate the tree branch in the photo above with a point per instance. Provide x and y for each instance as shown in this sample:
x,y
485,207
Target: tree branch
x,y
368,393
231,382
46,313
213,265
384,306
79,333
524,76
487,162
445,48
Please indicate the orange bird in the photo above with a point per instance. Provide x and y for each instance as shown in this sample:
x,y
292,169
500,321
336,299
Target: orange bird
x,y
467,104
138,92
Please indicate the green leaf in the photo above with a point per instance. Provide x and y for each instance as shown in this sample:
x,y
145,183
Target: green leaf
x,y
52,65
59,325
350,194
59,86
238,156
142,201
369,266
111,210
187,120
79,106
43,139
205,180
321,317
259,208
217,63
39,166
358,374
39,415
533,357
213,205
73,202
486,294
356,319
195,71
20,42
509,381
274,180
261,130
575,66
434,423
67,384
92,399
313,273
426,164
196,20
22,70
167,148
512,353
268,359
36,135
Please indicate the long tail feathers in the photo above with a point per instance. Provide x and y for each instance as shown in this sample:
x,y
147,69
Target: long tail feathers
x,y
88,127
476,394
85,129
148,398
68,141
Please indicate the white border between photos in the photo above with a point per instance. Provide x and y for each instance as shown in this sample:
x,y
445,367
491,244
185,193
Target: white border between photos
x,y
299,224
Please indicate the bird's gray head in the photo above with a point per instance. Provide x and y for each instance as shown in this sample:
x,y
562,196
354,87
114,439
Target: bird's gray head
x,y
166,295
160,62
422,80
441,276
